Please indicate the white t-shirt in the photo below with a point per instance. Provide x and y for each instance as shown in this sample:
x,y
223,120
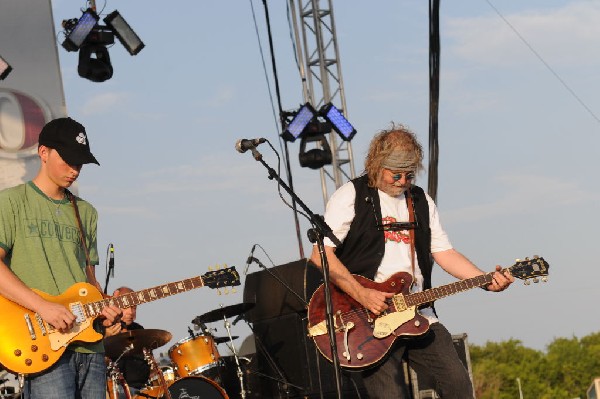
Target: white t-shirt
x,y
340,213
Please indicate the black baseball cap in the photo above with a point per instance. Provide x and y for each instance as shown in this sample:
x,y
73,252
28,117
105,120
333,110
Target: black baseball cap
x,y
68,137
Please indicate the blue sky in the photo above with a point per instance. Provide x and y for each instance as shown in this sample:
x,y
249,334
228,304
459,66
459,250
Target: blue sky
x,y
517,170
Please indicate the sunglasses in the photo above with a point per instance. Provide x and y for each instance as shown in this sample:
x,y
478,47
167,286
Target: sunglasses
x,y
407,175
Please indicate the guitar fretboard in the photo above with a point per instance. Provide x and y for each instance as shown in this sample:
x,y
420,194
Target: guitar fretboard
x,y
433,294
124,301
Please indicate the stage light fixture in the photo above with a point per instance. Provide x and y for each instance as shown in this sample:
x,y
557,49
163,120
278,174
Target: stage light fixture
x,y
128,38
315,158
4,69
339,123
299,123
94,63
79,29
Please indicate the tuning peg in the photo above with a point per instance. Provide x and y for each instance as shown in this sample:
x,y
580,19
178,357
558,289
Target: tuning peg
x,y
218,291
210,269
526,259
536,256
234,290
527,282
545,279
517,260
536,280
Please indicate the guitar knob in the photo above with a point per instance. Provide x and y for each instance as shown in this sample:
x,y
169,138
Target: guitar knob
x,y
45,358
359,356
28,362
417,323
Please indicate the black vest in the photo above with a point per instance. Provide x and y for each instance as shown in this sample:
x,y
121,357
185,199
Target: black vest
x,y
362,250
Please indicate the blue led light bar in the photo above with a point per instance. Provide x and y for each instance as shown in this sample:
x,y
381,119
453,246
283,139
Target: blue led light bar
x,y
339,123
298,125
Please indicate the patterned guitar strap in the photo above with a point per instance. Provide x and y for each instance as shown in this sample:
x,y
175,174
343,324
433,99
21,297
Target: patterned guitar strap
x,y
89,270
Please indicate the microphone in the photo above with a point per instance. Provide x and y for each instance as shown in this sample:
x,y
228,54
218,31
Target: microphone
x,y
111,261
250,259
243,145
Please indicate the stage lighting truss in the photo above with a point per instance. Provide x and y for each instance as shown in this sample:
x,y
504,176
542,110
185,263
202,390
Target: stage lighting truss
x,y
307,118
4,69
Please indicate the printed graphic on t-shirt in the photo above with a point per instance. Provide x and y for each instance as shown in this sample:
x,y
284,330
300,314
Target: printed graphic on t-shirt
x,y
395,236
51,229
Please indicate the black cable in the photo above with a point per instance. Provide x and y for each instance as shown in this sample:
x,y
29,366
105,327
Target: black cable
x,y
434,95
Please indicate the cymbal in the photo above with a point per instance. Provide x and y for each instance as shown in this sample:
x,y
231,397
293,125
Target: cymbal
x,y
144,338
225,312
220,340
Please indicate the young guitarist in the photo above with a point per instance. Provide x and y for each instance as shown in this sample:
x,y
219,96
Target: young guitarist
x,y
41,248
387,225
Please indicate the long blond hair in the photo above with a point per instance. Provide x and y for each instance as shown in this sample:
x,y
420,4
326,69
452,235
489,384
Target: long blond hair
x,y
397,137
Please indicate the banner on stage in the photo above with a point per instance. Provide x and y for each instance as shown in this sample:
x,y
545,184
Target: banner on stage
x,y
32,94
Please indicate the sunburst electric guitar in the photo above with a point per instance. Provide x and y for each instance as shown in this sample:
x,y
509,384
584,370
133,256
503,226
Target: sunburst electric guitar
x,y
363,338
29,345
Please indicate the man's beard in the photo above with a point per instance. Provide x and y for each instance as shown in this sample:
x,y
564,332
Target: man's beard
x,y
393,190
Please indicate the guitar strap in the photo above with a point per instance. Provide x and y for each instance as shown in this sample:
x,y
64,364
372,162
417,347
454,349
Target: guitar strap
x,y
411,232
89,271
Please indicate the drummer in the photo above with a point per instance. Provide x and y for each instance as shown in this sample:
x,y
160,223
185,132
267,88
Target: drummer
x,y
134,368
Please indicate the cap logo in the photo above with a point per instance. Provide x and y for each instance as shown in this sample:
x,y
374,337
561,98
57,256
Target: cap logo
x,y
81,139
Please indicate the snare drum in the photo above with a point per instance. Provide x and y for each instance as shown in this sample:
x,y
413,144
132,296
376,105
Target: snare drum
x,y
197,387
194,355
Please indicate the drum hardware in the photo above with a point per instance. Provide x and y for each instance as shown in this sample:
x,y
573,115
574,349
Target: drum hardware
x,y
116,377
154,367
220,340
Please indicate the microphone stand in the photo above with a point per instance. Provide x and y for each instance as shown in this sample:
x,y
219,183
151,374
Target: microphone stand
x,y
322,230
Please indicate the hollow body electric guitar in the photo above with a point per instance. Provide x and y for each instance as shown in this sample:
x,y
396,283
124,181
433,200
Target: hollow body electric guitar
x,y
363,339
30,345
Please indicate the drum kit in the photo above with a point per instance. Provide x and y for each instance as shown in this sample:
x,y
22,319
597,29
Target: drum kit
x,y
195,369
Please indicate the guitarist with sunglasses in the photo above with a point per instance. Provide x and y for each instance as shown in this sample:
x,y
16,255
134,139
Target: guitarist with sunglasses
x,y
41,247
388,225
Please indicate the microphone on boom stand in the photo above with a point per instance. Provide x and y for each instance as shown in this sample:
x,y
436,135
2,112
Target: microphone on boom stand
x,y
111,265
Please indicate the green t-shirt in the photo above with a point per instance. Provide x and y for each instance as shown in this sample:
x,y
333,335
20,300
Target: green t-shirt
x,y
41,238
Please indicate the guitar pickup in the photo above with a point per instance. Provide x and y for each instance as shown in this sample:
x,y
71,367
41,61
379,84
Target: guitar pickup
x,y
318,329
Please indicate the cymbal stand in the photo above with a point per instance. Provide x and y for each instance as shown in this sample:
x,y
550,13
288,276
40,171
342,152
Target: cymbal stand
x,y
239,373
115,375
149,357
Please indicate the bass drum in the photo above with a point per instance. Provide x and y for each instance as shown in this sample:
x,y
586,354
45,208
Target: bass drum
x,y
196,387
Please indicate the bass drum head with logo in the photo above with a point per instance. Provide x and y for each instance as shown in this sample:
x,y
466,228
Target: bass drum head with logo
x,y
196,387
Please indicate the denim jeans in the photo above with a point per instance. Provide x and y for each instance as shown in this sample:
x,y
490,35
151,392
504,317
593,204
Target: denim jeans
x,y
74,376
433,352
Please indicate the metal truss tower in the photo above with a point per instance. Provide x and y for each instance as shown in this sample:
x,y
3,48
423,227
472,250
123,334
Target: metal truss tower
x,y
322,80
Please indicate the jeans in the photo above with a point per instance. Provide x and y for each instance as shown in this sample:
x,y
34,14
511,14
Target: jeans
x,y
433,352
75,376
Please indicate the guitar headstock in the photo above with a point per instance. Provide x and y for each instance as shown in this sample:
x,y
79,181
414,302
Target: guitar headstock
x,y
530,269
228,277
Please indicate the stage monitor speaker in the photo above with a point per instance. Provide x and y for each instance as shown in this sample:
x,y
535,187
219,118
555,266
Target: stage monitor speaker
x,y
288,364
272,298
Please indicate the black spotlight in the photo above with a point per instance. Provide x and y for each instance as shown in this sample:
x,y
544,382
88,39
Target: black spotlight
x,y
94,63
315,158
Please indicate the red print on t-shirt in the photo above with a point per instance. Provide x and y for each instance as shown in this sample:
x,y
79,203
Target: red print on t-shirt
x,y
396,236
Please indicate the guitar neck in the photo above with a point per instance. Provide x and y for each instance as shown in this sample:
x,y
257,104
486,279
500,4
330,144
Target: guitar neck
x,y
433,294
131,299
